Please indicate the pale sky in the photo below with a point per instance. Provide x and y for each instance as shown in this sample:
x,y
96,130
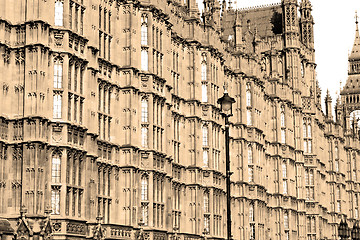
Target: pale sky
x,y
334,37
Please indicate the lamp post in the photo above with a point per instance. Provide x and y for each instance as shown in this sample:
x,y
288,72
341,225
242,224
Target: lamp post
x,y
226,108
355,232
343,230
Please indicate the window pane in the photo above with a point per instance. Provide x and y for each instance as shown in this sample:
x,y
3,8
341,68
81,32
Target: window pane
x,y
59,11
57,106
55,170
55,201
144,60
204,92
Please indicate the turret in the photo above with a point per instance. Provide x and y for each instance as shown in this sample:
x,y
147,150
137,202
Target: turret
x,y
238,32
307,24
328,107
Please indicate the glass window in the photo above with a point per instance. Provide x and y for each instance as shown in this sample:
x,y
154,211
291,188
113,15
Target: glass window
x,y
283,135
55,201
145,214
59,13
284,170
144,110
206,202
205,135
249,118
56,169
58,68
309,131
144,136
57,106
144,60
286,220
248,95
251,174
250,154
203,71
251,213
206,158
285,187
144,188
204,92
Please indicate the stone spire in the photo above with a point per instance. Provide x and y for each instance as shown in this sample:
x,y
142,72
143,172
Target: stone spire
x,y
238,31
355,53
328,107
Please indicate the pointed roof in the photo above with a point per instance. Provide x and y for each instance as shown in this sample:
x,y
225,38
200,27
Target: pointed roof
x,y
355,53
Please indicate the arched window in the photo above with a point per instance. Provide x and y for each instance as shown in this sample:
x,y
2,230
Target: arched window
x,y
56,168
309,130
203,68
144,187
282,115
144,110
248,95
282,123
336,150
144,30
59,13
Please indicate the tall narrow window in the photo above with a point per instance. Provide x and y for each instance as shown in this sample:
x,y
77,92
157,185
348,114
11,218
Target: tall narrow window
x,y
251,173
248,95
57,106
206,212
56,169
144,60
144,136
251,213
250,154
144,188
59,13
206,202
145,214
249,117
206,158
55,201
58,70
282,123
205,132
144,30
144,110
286,220
204,86
204,91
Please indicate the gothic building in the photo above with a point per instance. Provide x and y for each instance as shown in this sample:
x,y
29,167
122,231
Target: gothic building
x,y
110,127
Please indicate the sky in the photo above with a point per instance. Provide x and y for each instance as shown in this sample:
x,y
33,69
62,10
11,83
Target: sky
x,y
334,32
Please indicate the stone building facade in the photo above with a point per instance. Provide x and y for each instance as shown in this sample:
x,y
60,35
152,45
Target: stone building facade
x,y
110,127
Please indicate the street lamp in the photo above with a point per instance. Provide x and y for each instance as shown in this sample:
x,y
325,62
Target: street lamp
x,y
355,232
226,107
344,230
